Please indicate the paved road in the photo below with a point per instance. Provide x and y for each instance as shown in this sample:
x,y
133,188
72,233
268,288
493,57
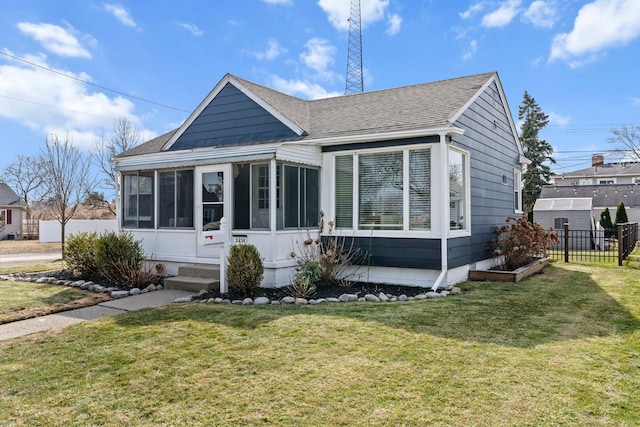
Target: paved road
x,y
30,258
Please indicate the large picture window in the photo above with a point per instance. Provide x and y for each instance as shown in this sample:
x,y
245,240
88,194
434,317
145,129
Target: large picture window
x,y
175,194
393,190
137,200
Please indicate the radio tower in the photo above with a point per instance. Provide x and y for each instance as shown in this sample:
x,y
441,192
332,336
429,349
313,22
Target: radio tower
x,y
355,80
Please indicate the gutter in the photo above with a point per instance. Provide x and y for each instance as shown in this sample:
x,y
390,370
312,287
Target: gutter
x,y
445,216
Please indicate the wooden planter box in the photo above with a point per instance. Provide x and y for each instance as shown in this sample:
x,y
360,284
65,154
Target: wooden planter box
x,y
509,276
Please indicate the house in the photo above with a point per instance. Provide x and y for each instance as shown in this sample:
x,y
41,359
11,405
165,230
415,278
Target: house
x,y
601,173
418,176
12,210
602,195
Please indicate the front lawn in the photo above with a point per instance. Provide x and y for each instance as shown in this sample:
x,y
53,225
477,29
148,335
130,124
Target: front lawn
x,y
560,348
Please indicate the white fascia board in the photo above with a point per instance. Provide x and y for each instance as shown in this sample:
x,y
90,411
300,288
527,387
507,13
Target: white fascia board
x,y
261,102
198,156
372,137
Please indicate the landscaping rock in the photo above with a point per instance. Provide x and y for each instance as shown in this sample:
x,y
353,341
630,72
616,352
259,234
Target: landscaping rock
x,y
237,302
455,291
383,297
182,300
433,294
371,298
300,301
331,299
100,289
347,298
218,300
150,288
361,299
122,294
134,291
313,302
288,300
275,302
261,301
321,300
419,297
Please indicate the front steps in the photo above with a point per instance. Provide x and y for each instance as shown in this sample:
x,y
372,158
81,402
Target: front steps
x,y
195,278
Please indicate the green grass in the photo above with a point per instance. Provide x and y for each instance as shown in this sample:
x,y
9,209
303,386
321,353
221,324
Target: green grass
x,y
32,267
24,300
560,348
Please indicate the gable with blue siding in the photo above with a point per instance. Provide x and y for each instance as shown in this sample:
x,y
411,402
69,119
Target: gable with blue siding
x,y
230,118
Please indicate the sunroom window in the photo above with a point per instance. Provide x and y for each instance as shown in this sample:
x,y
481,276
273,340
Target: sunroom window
x,y
175,204
137,200
392,190
457,190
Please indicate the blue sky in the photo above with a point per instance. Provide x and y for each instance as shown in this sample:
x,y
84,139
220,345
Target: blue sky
x,y
79,65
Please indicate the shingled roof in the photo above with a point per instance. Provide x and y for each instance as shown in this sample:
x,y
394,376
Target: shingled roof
x,y
8,197
422,106
605,170
603,195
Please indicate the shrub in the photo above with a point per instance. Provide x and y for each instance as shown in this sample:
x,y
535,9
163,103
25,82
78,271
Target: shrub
x,y
80,253
139,276
605,219
244,270
621,214
333,254
115,251
304,282
519,241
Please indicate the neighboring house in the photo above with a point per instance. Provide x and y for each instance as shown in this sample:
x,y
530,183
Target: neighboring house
x,y
419,176
602,196
601,173
12,209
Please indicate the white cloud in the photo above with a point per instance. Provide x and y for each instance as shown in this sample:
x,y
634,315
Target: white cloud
x,y
320,57
503,15
55,39
338,12
121,14
301,88
557,119
599,25
473,10
47,102
394,23
541,14
277,1
191,28
470,51
272,52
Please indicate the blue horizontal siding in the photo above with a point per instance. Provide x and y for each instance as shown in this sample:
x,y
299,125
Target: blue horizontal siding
x,y
232,117
399,252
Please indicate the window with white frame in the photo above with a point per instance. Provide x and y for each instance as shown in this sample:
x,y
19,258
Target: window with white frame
x,y
383,190
457,190
137,200
517,190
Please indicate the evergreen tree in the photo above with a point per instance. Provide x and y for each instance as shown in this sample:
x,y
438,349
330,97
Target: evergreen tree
x,y
538,151
605,219
621,214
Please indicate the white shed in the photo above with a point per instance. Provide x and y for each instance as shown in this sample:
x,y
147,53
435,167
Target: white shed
x,y
577,212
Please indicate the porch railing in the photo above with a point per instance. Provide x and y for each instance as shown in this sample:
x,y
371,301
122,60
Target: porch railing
x,y
595,245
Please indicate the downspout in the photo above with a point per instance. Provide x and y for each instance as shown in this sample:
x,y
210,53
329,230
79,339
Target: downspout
x,y
444,214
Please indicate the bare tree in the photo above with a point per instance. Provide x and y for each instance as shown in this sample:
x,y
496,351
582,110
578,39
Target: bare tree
x,y
25,176
627,137
66,173
125,136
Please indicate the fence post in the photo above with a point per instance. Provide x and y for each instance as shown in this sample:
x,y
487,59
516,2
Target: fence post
x,y
565,228
620,245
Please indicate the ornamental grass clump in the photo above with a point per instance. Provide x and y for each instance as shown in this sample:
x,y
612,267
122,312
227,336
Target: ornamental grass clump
x,y
520,241
244,270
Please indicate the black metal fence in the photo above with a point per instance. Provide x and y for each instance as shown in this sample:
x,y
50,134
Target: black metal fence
x,y
595,245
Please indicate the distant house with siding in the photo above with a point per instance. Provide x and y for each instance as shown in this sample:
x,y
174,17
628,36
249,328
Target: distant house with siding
x,y
418,176
12,209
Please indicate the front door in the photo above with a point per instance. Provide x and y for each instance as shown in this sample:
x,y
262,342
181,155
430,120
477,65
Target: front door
x,y
213,189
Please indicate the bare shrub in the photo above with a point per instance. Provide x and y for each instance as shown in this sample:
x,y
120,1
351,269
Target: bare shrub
x,y
141,275
519,241
338,258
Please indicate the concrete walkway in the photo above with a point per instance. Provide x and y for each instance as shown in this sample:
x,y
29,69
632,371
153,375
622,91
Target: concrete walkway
x,y
104,309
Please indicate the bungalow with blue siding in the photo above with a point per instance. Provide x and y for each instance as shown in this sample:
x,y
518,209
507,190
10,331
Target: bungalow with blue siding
x,y
420,176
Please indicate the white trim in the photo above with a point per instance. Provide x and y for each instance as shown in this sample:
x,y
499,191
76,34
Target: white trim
x,y
466,231
517,185
374,137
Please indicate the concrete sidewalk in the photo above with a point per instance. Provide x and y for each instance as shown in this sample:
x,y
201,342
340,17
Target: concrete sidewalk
x,y
104,309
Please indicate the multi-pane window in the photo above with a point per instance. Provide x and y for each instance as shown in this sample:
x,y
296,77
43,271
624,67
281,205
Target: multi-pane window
x,y
457,190
137,200
175,199
393,190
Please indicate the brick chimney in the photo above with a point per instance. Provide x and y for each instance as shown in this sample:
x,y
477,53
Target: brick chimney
x,y
597,160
